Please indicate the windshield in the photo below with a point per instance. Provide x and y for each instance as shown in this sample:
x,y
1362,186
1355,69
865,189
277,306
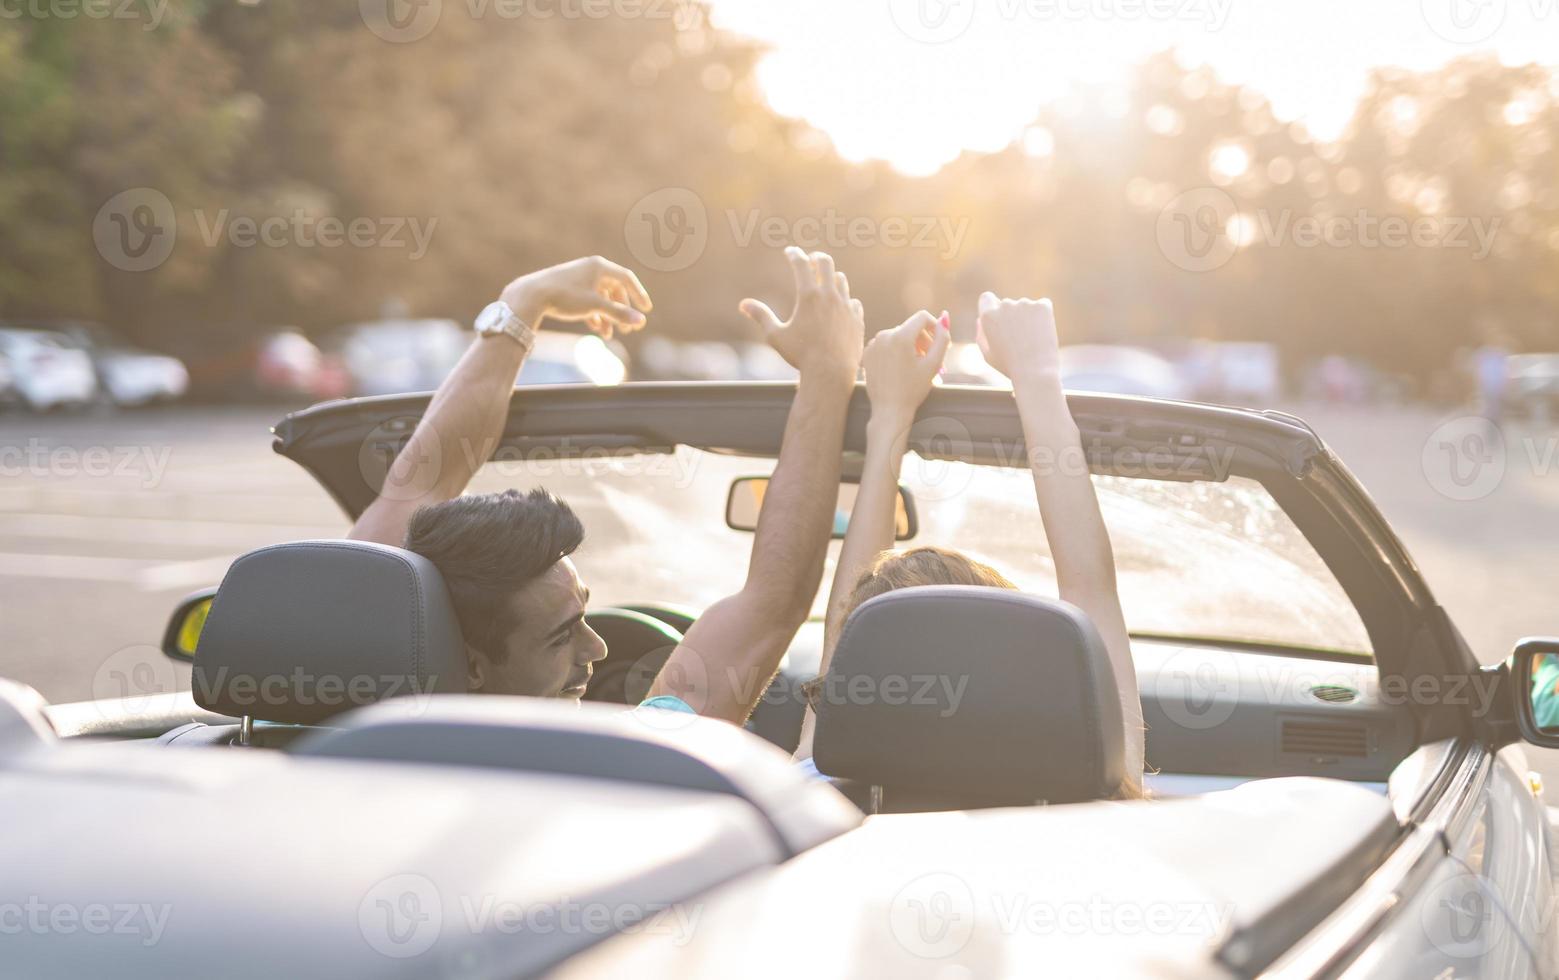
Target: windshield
x,y
1208,561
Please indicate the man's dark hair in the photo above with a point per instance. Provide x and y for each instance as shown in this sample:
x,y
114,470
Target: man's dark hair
x,y
488,546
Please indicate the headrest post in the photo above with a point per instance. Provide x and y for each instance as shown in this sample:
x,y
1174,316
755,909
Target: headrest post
x,y
246,730
876,799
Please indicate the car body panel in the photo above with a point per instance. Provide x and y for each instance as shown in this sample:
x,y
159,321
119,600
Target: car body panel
x,y
258,864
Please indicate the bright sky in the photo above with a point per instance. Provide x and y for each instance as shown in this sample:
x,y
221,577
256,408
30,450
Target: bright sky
x,y
915,82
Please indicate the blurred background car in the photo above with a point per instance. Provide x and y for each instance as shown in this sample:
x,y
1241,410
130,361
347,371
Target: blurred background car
x,y
1534,386
1247,372
48,370
1120,370
570,359
128,376
277,365
966,365
387,357
8,393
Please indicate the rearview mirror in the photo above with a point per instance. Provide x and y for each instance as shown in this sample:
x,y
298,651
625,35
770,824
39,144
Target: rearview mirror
x,y
184,626
746,501
1535,668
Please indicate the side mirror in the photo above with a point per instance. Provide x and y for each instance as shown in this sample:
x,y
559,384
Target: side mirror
x,y
746,501
183,633
1535,670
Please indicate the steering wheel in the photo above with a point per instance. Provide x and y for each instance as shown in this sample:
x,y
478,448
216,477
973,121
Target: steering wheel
x,y
637,647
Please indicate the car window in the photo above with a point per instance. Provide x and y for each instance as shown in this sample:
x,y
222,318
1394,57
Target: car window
x,y
1217,561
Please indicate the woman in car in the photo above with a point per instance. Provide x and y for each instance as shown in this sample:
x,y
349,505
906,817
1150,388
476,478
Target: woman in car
x,y
1018,338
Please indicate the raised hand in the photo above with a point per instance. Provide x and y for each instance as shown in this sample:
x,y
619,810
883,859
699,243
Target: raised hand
x,y
595,291
902,364
1018,336
825,331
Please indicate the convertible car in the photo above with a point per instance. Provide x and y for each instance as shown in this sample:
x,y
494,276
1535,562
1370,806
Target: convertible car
x,y
1335,786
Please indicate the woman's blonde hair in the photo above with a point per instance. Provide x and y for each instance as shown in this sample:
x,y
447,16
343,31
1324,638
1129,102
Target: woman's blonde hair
x,y
936,566
922,566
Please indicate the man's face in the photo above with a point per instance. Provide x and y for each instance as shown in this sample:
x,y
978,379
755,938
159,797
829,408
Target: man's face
x,y
549,649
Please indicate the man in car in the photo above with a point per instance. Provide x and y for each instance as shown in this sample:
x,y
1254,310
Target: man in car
x,y
505,557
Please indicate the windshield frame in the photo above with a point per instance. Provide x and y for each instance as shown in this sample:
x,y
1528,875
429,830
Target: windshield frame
x,y
347,445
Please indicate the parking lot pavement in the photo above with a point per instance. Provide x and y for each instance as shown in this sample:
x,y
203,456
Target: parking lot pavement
x,y
106,520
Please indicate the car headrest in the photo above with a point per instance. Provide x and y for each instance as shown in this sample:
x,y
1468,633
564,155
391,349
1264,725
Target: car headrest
x,y
972,696
302,631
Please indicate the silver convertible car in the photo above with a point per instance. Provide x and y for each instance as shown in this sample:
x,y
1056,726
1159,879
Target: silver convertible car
x,y
1336,787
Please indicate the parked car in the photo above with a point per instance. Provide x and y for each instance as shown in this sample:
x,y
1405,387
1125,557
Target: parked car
x,y
966,365
1534,386
565,359
280,364
128,376
1113,369
1340,787
387,357
8,393
48,369
1235,372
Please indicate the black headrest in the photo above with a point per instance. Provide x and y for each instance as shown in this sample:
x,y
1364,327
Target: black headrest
x,y
302,631
972,697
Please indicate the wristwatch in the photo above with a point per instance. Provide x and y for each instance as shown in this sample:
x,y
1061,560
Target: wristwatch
x,y
498,319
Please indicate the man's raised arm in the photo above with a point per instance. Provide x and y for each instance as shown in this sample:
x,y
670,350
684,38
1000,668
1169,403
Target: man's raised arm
x,y
730,654
464,422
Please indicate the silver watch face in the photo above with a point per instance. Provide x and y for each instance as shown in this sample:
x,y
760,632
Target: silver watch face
x,y
491,319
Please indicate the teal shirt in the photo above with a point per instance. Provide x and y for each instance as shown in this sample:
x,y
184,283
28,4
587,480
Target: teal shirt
x,y
669,702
